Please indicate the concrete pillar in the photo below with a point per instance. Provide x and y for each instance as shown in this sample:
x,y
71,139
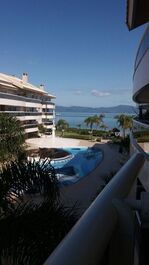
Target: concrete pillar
x,y
53,132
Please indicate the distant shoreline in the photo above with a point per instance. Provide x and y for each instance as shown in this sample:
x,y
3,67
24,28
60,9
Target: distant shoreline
x,y
74,118
116,109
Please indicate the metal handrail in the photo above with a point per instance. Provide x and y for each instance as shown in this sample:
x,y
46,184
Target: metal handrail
x,y
88,239
138,147
143,123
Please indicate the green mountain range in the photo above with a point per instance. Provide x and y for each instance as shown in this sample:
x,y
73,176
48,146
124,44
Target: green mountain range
x,y
115,109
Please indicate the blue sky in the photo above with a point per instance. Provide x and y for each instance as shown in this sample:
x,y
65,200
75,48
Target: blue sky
x,y
81,50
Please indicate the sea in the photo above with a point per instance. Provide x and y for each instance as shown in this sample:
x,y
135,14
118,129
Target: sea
x,y
76,118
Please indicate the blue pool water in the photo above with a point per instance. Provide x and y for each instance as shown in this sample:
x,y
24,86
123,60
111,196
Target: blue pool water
x,y
80,163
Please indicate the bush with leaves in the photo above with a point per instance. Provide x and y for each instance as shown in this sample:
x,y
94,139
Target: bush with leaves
x,y
30,229
12,138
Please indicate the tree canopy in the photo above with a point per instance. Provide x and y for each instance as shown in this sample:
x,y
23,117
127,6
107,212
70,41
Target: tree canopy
x,y
12,137
94,120
62,125
125,122
33,221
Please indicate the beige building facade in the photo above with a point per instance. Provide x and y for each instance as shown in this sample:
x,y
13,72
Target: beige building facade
x,y
30,104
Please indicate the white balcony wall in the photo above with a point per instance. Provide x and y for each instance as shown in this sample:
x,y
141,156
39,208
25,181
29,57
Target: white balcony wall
x,y
141,76
48,126
33,105
47,116
28,118
12,102
18,103
29,130
48,106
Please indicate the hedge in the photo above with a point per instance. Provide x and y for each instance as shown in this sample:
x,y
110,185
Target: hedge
x,y
83,137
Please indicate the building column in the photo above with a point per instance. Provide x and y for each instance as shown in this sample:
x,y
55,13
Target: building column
x,y
53,128
53,132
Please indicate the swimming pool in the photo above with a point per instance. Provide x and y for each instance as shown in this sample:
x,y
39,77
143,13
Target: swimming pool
x,y
80,163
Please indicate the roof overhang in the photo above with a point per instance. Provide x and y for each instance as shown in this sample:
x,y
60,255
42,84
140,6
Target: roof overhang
x,y
137,13
142,96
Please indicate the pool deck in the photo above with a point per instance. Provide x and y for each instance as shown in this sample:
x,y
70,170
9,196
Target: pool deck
x,y
49,142
84,191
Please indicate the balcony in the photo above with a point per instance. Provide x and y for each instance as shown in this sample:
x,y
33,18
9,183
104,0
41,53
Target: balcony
x,y
48,123
30,130
22,113
46,115
17,97
141,123
26,126
107,233
48,105
142,119
24,116
30,126
141,72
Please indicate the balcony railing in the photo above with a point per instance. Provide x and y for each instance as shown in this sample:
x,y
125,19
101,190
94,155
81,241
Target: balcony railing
x,y
47,113
25,99
27,126
20,98
141,123
48,123
48,102
88,240
23,113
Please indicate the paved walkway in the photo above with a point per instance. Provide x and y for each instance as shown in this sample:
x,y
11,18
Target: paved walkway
x,y
86,189
49,142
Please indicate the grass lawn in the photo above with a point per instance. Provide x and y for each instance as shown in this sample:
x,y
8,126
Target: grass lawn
x,y
77,135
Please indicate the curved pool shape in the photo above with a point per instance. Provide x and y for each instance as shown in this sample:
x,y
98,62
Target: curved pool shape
x,y
81,163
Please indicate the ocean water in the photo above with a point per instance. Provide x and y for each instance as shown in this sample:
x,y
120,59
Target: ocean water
x,y
75,118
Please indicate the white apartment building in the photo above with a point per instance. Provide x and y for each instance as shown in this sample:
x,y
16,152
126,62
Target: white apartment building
x,y
32,105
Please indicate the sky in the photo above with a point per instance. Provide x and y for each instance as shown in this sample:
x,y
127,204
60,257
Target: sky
x,y
81,50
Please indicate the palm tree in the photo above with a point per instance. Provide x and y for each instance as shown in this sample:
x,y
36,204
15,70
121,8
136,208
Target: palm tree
x,y
103,126
31,226
125,122
12,138
90,121
100,119
79,127
62,125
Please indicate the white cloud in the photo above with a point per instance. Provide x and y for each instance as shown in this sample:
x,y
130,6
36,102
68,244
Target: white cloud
x,y
97,93
78,92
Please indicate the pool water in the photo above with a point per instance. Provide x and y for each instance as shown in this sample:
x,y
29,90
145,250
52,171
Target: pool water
x,y
81,163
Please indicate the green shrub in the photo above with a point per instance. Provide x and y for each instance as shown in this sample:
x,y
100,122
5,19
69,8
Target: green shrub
x,y
30,230
98,139
77,136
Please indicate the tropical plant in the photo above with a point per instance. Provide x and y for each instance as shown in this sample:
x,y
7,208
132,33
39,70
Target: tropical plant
x,y
93,120
125,122
62,125
32,219
12,138
103,126
19,180
79,127
41,128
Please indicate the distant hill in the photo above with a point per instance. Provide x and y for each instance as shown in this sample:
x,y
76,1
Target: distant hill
x,y
116,109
